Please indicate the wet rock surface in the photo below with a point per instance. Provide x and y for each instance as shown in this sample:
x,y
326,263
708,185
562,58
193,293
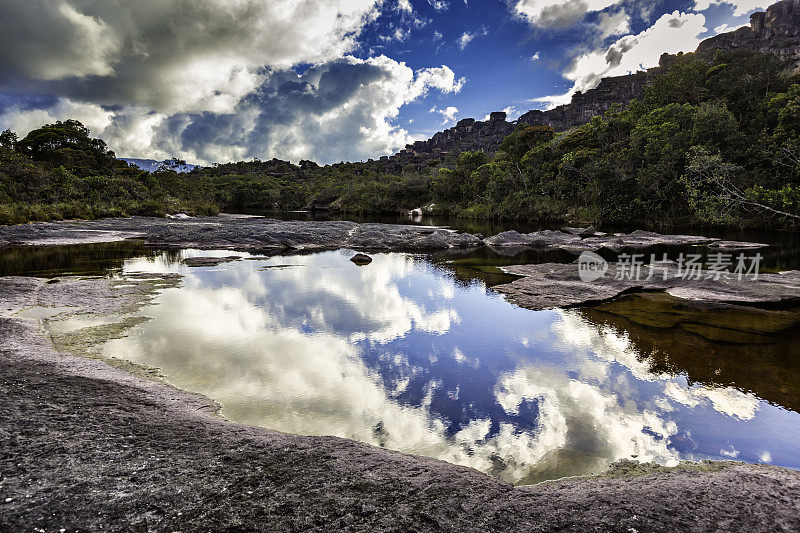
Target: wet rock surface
x,y
361,259
209,261
88,446
269,236
261,235
736,245
552,285
578,240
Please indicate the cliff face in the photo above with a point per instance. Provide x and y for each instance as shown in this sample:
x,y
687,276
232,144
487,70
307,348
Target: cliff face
x,y
468,135
775,30
618,90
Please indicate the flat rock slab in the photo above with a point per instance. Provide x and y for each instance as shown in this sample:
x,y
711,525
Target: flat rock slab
x,y
86,446
42,234
246,234
737,245
553,285
209,261
571,240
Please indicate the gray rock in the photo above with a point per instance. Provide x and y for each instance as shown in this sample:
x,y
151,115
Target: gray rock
x,y
361,259
209,261
559,285
508,238
580,232
647,239
245,234
577,240
538,239
737,245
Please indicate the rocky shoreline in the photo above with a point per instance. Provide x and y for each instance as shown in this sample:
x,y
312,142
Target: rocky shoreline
x,y
270,236
249,234
88,443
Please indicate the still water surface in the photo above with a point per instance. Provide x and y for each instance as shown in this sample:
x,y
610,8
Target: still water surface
x,y
413,354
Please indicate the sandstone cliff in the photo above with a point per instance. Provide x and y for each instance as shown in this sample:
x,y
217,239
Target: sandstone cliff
x,y
775,30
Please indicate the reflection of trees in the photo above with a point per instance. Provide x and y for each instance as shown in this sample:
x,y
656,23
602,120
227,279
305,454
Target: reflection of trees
x,y
482,265
754,350
81,259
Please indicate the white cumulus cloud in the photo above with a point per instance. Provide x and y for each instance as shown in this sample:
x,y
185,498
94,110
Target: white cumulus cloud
x,y
741,7
554,13
212,81
671,33
448,114
343,109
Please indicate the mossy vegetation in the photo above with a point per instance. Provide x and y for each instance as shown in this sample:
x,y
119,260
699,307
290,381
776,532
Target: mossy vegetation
x,y
712,141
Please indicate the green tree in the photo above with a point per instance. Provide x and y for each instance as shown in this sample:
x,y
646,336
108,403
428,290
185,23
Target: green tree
x,y
68,144
525,138
8,140
718,193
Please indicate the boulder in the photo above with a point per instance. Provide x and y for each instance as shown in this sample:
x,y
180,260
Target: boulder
x,y
577,240
580,232
361,259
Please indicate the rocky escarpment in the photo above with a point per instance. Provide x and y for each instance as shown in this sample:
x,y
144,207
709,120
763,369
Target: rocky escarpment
x,y
467,135
613,91
775,30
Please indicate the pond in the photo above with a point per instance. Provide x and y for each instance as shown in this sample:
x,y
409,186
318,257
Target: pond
x,y
416,353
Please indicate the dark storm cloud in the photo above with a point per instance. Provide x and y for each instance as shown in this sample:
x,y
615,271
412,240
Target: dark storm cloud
x,y
284,100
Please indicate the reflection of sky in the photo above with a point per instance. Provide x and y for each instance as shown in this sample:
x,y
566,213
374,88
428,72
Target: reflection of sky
x,y
399,355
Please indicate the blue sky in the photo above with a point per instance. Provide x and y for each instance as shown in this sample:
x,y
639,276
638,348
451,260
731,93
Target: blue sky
x,y
506,62
324,80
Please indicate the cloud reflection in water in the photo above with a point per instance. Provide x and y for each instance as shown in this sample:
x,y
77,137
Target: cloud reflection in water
x,y
398,354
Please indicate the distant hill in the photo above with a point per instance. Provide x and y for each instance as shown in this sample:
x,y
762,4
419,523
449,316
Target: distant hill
x,y
151,165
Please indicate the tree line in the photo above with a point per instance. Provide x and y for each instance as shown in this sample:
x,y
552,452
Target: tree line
x,y
712,140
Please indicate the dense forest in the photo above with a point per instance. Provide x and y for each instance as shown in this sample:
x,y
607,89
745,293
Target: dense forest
x,y
713,141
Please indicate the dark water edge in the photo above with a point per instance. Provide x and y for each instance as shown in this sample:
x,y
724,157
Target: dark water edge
x,y
93,259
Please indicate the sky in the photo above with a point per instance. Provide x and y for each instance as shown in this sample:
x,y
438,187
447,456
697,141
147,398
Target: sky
x,y
327,80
